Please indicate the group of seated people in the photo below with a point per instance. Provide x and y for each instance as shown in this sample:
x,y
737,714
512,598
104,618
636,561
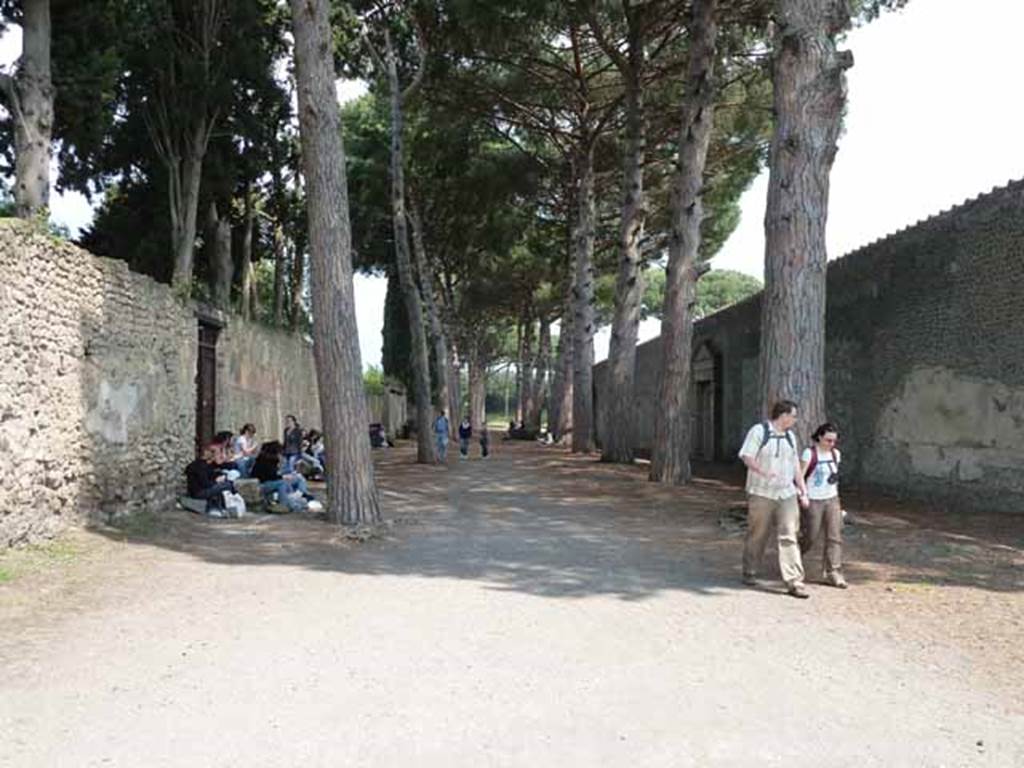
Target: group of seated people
x,y
275,464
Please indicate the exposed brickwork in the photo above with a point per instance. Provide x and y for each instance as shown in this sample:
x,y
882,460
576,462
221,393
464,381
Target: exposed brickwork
x,y
97,402
97,385
925,357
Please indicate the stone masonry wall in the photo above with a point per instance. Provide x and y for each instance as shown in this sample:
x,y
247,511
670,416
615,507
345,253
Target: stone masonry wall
x,y
98,386
264,374
97,400
924,358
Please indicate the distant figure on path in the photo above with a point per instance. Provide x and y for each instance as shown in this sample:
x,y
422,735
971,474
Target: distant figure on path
x,y
820,467
485,441
465,434
441,437
774,480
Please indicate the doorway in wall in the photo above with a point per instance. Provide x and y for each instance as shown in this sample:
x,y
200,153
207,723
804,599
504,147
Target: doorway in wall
x,y
707,404
206,384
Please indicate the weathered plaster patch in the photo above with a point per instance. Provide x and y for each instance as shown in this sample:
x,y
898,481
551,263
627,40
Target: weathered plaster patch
x,y
954,426
110,416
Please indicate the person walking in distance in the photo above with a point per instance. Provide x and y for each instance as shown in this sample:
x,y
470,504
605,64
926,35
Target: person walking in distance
x,y
465,434
820,467
441,437
485,441
775,487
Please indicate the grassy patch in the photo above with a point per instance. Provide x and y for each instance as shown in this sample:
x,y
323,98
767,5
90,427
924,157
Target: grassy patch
x,y
141,525
15,563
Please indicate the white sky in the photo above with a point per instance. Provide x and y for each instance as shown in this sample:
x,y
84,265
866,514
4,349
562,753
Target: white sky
x,y
932,120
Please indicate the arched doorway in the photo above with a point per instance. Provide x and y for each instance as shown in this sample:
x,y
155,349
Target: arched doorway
x,y
707,417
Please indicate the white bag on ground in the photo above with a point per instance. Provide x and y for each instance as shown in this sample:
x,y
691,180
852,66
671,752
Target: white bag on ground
x,y
234,505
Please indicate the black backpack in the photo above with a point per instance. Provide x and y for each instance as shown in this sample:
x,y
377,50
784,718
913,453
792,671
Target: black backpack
x,y
767,435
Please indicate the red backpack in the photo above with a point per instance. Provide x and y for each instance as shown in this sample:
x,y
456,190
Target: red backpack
x,y
814,461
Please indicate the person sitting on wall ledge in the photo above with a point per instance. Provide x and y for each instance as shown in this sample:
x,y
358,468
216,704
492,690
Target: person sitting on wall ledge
x,y
245,448
290,488
206,483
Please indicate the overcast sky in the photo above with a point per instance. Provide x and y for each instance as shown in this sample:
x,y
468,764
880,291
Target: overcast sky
x,y
934,117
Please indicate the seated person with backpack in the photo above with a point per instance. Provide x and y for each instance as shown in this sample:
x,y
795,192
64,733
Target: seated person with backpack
x,y
314,446
206,482
290,488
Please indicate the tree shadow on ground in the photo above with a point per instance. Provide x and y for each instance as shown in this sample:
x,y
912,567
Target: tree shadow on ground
x,y
542,522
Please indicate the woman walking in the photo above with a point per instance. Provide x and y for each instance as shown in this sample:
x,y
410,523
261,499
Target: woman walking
x,y
820,466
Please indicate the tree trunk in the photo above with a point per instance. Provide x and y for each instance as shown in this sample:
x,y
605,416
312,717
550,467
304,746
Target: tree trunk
x,y
809,95
30,100
454,386
280,253
520,372
619,410
560,412
670,456
280,266
420,357
223,265
526,361
352,490
477,392
248,287
298,276
560,416
583,309
184,176
437,332
539,379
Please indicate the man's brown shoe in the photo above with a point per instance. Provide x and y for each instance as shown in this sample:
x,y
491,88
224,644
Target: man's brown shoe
x,y
797,590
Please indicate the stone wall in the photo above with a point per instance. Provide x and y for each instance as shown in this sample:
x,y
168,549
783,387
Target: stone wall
x,y
264,374
98,385
97,400
924,358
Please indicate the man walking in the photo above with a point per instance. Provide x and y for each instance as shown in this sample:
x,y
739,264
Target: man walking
x,y
441,437
775,485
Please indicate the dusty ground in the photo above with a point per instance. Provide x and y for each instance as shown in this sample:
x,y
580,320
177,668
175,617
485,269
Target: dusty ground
x,y
535,609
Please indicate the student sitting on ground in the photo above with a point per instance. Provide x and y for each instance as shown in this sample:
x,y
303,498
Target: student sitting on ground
x,y
290,488
206,482
245,448
314,446
223,455
294,450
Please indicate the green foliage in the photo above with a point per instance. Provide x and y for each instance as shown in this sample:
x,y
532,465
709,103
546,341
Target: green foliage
x,y
396,356
719,289
373,380
716,290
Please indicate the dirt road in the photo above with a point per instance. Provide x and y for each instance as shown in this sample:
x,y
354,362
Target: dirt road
x,y
530,610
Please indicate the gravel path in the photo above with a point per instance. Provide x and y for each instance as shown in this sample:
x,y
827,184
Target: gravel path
x,y
531,610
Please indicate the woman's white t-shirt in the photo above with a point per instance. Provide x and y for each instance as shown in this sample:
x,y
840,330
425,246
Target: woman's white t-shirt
x,y
818,486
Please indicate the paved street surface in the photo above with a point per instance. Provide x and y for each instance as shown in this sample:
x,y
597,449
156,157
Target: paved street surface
x,y
534,610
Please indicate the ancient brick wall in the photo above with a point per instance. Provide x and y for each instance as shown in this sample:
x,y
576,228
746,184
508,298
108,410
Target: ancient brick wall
x,y
97,400
98,385
264,374
924,358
